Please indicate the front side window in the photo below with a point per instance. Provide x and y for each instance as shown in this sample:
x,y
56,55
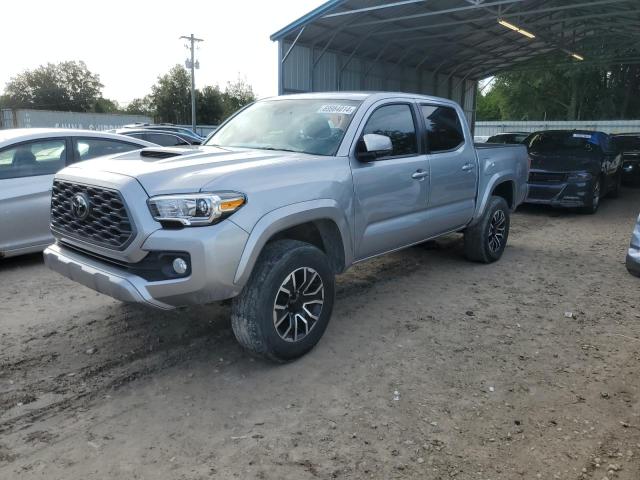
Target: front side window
x,y
444,131
42,157
314,126
396,122
88,148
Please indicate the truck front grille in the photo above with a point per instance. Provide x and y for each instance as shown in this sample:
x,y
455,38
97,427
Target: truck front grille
x,y
106,222
547,177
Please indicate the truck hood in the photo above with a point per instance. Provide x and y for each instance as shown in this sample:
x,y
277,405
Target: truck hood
x,y
183,169
564,162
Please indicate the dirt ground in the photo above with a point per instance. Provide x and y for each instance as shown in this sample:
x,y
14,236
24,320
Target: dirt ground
x,y
432,368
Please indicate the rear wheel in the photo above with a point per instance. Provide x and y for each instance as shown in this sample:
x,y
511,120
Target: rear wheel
x,y
615,191
285,307
486,240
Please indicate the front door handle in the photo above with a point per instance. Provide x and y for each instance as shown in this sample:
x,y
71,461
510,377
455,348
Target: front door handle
x,y
468,166
419,174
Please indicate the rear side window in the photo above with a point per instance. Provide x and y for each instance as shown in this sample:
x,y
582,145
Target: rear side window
x,y
140,136
443,128
165,139
41,157
396,122
88,148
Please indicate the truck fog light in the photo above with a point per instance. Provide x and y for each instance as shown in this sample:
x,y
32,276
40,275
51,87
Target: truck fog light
x,y
180,266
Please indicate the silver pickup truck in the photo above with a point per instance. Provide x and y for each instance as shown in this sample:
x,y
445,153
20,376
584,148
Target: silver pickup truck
x,y
286,194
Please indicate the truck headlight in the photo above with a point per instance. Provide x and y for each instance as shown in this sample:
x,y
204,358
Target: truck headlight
x,y
579,177
195,209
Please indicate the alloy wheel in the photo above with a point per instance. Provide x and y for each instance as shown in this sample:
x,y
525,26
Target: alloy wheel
x,y
298,304
497,228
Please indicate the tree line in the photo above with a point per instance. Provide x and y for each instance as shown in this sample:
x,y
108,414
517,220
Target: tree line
x,y
563,92
71,86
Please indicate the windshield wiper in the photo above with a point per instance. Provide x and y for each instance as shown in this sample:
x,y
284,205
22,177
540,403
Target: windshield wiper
x,y
253,147
279,149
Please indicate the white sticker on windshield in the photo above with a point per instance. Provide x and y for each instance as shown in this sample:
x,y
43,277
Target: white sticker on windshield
x,y
582,135
344,109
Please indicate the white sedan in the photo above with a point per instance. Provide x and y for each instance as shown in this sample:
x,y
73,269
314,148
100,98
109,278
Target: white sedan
x,y
29,157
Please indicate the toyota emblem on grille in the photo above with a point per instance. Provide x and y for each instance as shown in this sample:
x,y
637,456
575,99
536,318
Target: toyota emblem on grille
x,y
80,206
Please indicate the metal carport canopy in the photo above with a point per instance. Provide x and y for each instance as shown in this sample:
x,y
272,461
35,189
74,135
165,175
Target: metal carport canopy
x,y
444,46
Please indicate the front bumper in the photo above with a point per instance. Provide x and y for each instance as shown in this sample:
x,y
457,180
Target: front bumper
x,y
564,194
633,261
214,251
631,172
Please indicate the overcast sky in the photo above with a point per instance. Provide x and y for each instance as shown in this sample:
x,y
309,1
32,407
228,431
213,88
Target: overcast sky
x,y
130,43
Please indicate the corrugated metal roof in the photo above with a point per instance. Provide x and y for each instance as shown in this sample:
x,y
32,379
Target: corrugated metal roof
x,y
463,37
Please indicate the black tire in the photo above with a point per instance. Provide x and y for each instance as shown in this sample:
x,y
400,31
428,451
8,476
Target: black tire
x,y
595,196
479,240
253,312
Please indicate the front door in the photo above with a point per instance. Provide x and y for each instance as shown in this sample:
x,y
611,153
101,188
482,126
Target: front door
x,y
391,192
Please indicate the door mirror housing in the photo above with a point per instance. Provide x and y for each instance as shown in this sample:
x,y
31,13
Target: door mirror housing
x,y
373,145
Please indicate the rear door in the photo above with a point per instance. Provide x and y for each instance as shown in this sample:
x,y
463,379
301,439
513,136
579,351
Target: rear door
x,y
26,178
391,191
454,166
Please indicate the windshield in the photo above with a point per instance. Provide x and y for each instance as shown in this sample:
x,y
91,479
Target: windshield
x,y
507,138
314,126
562,142
627,143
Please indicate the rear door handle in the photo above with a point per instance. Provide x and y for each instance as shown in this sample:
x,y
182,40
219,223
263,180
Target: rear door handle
x,y
468,166
420,174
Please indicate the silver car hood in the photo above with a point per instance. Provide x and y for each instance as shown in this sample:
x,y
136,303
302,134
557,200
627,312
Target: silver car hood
x,y
190,170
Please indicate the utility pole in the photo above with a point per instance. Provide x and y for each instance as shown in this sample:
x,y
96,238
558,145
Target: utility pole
x,y
193,65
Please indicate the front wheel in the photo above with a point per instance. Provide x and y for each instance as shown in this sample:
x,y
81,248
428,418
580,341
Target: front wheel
x,y
286,305
486,240
595,194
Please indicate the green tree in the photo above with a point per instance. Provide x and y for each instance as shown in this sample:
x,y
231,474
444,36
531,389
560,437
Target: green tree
x,y
141,106
170,99
488,107
566,92
210,106
5,101
62,86
236,95
171,96
105,105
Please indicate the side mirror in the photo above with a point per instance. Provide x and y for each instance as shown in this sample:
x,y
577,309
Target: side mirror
x,y
374,146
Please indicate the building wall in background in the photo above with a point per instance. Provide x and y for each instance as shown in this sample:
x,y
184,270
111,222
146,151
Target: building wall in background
x,y
607,126
24,118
